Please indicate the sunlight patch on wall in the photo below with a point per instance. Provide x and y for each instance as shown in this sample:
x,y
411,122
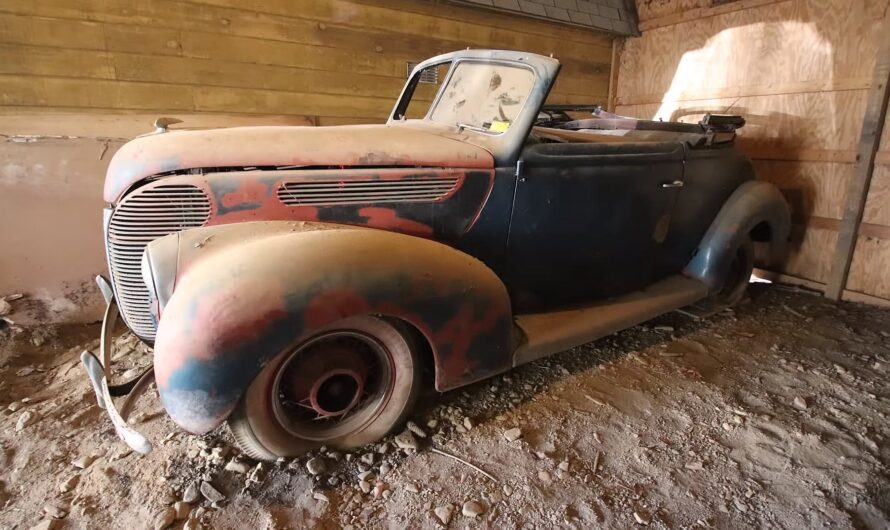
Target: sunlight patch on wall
x,y
762,58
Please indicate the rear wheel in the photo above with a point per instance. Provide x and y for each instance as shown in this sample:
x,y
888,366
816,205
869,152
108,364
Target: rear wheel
x,y
347,386
737,279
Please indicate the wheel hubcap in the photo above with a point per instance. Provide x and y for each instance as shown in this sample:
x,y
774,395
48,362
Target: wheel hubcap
x,y
332,385
336,393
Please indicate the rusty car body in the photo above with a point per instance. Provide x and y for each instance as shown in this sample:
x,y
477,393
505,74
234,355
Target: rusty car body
x,y
299,281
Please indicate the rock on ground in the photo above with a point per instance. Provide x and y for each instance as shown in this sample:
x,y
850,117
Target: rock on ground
x,y
511,435
472,509
678,423
444,513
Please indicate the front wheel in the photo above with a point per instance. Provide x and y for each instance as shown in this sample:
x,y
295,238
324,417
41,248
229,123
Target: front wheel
x,y
347,386
737,279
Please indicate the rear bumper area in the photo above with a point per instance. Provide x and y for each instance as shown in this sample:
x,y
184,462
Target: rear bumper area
x,y
98,370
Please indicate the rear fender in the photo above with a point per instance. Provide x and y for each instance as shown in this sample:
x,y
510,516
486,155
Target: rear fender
x,y
245,293
752,203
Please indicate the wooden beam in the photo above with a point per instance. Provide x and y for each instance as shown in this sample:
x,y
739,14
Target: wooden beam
x,y
826,223
757,150
869,142
617,44
747,91
703,12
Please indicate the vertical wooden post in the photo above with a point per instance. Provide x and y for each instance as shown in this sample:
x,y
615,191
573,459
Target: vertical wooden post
x,y
857,190
613,73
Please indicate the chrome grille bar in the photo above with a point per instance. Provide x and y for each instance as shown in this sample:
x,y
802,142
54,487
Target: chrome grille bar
x,y
139,219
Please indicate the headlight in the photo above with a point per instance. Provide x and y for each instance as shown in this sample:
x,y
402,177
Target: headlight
x,y
148,276
149,281
159,267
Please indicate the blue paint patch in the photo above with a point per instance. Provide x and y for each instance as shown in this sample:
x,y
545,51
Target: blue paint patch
x,y
223,379
224,186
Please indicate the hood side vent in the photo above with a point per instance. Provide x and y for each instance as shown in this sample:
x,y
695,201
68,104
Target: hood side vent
x,y
321,192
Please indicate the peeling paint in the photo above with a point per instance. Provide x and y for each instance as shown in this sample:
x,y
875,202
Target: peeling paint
x,y
237,308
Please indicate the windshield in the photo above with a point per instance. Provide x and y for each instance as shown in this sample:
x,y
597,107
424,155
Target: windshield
x,y
483,96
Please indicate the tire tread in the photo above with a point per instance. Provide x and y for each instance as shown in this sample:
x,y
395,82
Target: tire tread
x,y
244,436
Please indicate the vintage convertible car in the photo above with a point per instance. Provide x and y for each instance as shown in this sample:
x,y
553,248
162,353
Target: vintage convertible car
x,y
300,282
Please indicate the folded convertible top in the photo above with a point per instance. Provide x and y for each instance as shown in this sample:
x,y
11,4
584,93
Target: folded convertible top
x,y
557,116
713,128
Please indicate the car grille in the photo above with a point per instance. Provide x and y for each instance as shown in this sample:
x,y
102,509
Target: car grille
x,y
140,218
320,192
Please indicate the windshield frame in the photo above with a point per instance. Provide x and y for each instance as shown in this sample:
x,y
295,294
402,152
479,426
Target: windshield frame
x,y
453,68
505,146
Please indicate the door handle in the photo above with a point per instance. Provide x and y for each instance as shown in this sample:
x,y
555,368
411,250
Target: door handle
x,y
674,184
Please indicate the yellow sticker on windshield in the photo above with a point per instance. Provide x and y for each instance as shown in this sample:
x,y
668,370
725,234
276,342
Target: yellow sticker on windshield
x,y
499,126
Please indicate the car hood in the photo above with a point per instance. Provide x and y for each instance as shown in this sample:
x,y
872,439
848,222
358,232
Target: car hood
x,y
346,145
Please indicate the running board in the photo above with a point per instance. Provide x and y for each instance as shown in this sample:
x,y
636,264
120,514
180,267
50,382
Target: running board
x,y
549,333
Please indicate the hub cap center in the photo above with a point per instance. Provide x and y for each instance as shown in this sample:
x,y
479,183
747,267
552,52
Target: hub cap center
x,y
336,392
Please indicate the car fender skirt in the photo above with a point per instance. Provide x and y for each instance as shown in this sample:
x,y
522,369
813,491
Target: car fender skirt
x,y
262,288
752,203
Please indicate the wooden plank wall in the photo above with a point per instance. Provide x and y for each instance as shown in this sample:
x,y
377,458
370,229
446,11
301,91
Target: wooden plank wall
x,y
337,61
79,77
799,71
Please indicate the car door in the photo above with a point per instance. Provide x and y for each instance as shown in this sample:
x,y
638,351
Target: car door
x,y
588,221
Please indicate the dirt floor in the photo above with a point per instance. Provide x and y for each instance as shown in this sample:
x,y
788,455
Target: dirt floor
x,y
773,415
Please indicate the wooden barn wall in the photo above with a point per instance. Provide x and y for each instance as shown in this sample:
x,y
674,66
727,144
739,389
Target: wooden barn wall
x,y
870,270
799,71
79,77
336,61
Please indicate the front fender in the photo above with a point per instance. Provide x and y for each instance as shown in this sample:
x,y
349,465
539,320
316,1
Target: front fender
x,y
264,287
752,203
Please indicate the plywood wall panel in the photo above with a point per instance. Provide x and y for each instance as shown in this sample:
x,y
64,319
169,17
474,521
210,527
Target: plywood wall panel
x,y
812,189
648,64
794,122
752,48
869,270
799,71
877,205
809,253
885,141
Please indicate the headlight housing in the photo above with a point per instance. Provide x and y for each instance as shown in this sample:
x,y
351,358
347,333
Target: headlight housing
x,y
159,267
